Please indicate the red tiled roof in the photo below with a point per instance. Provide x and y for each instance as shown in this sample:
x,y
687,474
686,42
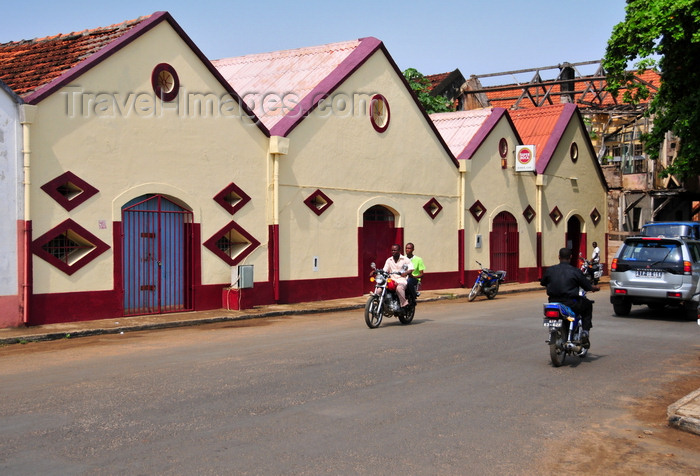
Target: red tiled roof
x,y
543,127
27,65
595,96
436,79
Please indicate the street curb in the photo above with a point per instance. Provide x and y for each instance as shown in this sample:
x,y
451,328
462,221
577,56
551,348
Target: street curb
x,y
213,320
679,418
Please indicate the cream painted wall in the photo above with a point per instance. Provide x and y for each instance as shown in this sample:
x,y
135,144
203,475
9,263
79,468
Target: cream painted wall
x,y
498,190
340,153
138,147
573,197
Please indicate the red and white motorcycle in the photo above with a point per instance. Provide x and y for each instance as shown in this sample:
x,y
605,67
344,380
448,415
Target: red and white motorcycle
x,y
384,301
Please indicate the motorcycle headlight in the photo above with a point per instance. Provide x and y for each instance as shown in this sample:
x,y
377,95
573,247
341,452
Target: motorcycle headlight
x,y
380,279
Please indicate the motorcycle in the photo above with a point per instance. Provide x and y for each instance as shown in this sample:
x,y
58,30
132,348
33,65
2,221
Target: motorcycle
x,y
565,333
487,283
384,301
592,270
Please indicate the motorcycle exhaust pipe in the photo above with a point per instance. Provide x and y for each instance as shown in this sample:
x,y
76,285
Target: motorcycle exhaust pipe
x,y
572,346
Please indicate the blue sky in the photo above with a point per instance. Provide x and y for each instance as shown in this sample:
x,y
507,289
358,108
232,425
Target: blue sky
x,y
478,37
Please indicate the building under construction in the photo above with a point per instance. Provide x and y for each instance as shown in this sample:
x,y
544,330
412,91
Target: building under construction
x,y
637,194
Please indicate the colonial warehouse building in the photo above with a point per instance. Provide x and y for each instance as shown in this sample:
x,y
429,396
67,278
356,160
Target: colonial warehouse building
x,y
139,177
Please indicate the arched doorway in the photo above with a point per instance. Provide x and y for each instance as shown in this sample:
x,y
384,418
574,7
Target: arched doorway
x,y
574,240
157,267
504,243
378,234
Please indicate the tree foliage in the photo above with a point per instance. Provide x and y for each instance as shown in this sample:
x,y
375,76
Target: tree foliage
x,y
421,86
664,34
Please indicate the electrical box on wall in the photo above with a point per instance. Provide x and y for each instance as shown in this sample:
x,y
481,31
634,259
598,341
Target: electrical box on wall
x,y
245,276
477,241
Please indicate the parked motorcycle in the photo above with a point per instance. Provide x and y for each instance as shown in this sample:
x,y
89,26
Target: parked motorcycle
x,y
384,301
592,270
565,333
487,283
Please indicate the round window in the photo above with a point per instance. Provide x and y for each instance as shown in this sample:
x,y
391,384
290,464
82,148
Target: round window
x,y
165,82
573,151
379,113
503,147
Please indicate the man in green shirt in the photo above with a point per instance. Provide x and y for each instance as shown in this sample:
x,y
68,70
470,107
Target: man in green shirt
x,y
418,270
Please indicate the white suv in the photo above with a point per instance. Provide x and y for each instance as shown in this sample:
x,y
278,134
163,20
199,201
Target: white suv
x,y
656,271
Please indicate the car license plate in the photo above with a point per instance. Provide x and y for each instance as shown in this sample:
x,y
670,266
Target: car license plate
x,y
552,323
649,273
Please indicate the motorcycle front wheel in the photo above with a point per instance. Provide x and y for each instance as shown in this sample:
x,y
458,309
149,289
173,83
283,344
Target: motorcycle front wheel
x,y
556,349
474,292
407,317
373,315
492,293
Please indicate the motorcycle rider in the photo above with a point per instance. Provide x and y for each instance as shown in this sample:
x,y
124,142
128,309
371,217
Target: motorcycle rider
x,y
563,282
414,279
398,263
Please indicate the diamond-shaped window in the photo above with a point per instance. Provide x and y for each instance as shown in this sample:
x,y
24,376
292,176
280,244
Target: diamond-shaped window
x,y
556,215
232,243
477,210
595,216
68,247
69,190
433,208
318,202
529,214
232,198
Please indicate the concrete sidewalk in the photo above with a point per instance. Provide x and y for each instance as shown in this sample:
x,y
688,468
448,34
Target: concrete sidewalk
x,y
684,414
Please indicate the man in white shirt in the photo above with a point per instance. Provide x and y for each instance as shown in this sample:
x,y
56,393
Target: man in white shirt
x,y
401,264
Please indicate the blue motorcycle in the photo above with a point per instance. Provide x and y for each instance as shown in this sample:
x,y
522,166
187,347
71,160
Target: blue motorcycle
x,y
487,283
565,333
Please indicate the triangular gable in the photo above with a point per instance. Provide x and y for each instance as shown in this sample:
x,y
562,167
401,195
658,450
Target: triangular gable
x,y
465,131
543,127
35,69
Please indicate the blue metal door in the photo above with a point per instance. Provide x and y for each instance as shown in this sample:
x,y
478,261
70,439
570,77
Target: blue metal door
x,y
157,261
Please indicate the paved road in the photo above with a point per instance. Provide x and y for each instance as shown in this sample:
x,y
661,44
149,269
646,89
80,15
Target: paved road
x,y
466,389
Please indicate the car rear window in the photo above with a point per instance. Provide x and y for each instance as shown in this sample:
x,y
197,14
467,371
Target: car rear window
x,y
652,253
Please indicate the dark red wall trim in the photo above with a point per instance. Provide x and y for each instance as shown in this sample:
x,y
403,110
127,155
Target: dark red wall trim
x,y
461,256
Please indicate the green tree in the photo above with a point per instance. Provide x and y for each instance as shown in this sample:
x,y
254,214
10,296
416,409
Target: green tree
x,y
421,86
664,34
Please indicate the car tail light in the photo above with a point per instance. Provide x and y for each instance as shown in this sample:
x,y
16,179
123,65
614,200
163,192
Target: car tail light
x,y
551,313
620,291
673,294
613,266
687,267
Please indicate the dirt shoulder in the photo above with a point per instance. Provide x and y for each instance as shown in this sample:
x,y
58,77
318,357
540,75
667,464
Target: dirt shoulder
x,y
639,441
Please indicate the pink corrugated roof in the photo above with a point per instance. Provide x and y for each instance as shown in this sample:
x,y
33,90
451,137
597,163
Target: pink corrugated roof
x,y
459,128
288,75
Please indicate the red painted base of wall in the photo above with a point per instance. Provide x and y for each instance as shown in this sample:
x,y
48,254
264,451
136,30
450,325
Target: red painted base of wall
x,y
87,306
10,312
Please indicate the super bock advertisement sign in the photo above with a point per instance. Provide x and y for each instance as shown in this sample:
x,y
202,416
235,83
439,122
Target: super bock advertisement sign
x,y
525,158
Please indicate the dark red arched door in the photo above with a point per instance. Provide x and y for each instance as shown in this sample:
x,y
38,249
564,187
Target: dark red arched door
x,y
504,245
378,234
573,239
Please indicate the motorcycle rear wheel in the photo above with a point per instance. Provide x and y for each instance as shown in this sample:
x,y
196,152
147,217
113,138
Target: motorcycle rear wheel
x,y
409,313
373,315
474,292
492,293
556,349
